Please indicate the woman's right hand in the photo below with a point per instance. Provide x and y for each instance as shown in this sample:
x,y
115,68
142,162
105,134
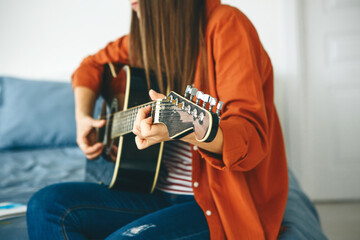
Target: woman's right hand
x,y
86,136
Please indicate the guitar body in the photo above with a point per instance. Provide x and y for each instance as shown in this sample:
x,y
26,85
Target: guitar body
x,y
122,165
133,170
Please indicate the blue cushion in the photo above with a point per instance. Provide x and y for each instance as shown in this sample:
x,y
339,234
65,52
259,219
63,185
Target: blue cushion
x,y
36,114
301,220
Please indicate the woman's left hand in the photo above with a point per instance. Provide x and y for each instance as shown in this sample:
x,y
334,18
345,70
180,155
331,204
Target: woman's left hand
x,y
146,132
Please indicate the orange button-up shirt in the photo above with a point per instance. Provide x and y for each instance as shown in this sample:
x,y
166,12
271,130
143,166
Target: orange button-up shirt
x,y
242,192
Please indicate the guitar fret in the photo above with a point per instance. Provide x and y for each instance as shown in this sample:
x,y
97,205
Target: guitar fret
x,y
123,122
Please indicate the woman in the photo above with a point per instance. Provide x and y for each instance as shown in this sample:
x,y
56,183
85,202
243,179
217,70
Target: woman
x,y
236,185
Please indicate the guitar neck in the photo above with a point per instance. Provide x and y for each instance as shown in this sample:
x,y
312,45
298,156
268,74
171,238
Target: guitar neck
x,y
180,116
123,121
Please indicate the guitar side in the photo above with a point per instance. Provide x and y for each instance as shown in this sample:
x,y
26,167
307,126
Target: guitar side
x,y
136,170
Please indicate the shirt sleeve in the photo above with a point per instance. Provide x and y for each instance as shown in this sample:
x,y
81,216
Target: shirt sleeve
x,y
89,73
239,59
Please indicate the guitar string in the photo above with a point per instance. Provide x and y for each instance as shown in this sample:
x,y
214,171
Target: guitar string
x,y
126,113
127,123
128,126
125,118
129,116
131,120
130,111
132,116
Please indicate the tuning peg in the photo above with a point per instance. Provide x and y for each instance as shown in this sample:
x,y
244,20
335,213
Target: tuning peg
x,y
206,98
182,105
188,109
193,93
199,96
219,107
212,103
187,90
195,113
201,117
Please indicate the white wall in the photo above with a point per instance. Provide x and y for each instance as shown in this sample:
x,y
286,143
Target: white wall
x,y
48,39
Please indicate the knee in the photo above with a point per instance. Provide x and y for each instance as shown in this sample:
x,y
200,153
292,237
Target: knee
x,y
47,207
41,212
46,201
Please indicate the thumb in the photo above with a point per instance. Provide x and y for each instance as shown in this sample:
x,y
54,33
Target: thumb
x,y
154,95
98,123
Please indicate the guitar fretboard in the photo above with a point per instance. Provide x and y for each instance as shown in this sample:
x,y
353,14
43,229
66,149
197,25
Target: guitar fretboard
x,y
123,122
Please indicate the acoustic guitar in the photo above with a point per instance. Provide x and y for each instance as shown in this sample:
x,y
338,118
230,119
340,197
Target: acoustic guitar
x,y
123,166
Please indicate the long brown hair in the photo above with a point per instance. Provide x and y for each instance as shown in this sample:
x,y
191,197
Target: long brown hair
x,y
168,39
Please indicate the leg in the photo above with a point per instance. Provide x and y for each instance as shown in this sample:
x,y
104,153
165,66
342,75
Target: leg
x,y
85,210
181,221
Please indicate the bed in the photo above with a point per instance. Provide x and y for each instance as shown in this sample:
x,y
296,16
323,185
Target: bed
x,y
38,148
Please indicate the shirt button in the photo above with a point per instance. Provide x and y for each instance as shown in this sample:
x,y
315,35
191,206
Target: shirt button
x,y
208,212
196,184
195,148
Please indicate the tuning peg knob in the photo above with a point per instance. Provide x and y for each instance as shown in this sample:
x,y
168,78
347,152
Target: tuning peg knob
x,y
219,107
212,103
206,99
199,96
187,91
193,93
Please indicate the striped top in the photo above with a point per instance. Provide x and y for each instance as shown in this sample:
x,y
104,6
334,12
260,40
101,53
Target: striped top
x,y
175,172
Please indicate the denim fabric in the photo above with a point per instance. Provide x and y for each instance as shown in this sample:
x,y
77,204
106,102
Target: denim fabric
x,y
92,211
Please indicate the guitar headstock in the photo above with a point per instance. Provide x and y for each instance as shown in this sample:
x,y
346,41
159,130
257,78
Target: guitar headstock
x,y
182,115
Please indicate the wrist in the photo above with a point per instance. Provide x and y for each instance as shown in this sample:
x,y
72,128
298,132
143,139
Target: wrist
x,y
190,138
84,103
214,146
82,117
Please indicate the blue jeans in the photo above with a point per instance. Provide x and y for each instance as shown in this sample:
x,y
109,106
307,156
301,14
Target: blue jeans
x,y
92,211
